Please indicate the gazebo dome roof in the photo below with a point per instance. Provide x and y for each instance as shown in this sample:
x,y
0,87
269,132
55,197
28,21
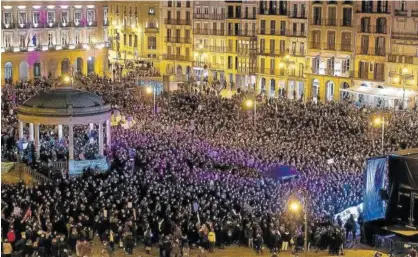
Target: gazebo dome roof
x,y
64,102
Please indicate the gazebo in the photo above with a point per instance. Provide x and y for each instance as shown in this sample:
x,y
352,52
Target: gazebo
x,y
64,106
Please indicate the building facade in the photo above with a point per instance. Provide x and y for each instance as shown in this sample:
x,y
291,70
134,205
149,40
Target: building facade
x,y
365,51
47,38
134,31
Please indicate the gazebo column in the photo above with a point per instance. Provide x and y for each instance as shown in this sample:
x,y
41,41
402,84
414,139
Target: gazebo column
x,y
71,141
101,138
108,135
59,132
30,132
20,130
91,127
37,143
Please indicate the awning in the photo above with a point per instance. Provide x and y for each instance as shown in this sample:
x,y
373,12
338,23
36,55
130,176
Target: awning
x,y
384,92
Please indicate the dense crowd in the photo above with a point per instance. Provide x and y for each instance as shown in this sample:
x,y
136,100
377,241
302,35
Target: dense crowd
x,y
195,174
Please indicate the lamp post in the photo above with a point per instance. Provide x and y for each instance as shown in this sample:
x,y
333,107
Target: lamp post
x,y
152,90
380,121
249,103
295,207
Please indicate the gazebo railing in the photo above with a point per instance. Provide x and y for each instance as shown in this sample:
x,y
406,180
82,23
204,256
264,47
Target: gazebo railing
x,y
60,165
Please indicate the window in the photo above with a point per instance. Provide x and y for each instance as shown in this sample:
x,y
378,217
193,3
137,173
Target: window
x,y
124,39
7,18
105,15
50,39
188,3
51,17
317,15
64,17
77,37
187,16
272,27
262,45
64,37
302,29
22,17
206,10
22,40
302,48
152,43
403,5
282,46
91,16
7,40
170,3
346,65
282,28
130,40
151,11
272,46
77,17
230,62
263,27
347,14
178,3
37,69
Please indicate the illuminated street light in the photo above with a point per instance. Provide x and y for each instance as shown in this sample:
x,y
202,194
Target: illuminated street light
x,y
380,122
295,207
250,103
67,79
152,90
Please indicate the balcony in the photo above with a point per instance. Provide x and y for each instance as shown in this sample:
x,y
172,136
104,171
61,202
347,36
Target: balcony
x,y
346,23
405,36
315,45
7,25
91,24
266,71
371,51
291,33
369,9
329,46
296,15
245,33
346,47
177,57
214,32
26,25
401,13
181,40
403,59
216,49
251,70
66,24
151,30
274,11
372,29
51,24
414,13
331,22
316,21
177,22
209,16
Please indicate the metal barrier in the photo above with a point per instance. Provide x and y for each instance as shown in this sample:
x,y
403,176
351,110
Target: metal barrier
x,y
36,176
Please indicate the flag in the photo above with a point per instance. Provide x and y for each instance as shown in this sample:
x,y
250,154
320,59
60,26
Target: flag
x,y
28,215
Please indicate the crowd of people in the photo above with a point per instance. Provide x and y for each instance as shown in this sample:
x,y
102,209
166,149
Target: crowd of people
x,y
195,174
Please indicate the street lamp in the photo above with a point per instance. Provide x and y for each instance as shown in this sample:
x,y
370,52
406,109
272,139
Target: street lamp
x,y
249,103
380,122
68,80
152,90
295,207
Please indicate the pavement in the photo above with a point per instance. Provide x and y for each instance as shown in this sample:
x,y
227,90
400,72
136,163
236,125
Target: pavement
x,y
235,251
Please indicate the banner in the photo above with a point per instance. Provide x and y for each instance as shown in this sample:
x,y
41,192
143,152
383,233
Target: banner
x,y
6,167
376,178
77,167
